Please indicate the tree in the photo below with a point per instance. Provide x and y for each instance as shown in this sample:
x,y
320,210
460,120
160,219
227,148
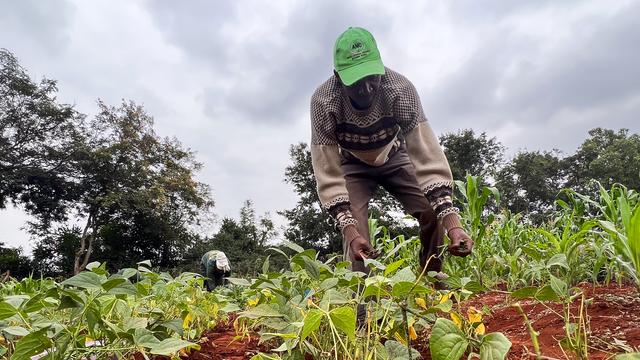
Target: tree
x,y
54,253
606,156
135,191
531,181
468,154
38,138
13,263
259,230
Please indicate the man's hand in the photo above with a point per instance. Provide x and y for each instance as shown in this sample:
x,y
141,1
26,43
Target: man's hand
x,y
361,249
461,244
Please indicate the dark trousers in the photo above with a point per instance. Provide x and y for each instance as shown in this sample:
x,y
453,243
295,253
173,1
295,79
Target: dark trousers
x,y
215,277
398,177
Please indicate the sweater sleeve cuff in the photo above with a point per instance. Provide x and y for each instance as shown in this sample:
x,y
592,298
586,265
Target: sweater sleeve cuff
x,y
451,221
341,213
350,232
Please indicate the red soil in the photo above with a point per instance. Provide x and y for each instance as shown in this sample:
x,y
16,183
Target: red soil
x,y
222,343
614,315
614,320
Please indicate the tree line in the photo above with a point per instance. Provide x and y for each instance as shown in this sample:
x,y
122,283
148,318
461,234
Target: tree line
x,y
137,195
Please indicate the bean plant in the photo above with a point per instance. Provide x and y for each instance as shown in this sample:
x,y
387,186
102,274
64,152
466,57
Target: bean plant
x,y
99,314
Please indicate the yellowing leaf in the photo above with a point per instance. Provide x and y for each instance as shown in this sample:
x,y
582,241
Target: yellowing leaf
x,y
444,298
456,319
480,330
475,317
187,321
253,302
400,338
412,333
422,303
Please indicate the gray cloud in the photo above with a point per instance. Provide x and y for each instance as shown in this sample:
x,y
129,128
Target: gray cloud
x,y
39,24
268,75
512,77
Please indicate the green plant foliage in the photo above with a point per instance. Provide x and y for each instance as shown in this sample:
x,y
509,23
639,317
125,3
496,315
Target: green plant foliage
x,y
95,312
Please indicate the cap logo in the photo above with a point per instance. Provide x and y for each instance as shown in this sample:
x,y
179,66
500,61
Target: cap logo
x,y
358,50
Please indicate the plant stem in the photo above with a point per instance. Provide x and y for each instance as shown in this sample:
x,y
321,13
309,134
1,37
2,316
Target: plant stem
x,y
403,306
532,333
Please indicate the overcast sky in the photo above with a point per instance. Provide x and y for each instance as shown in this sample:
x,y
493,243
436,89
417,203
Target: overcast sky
x,y
232,79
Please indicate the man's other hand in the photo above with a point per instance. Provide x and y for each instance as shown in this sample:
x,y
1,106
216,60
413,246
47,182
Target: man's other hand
x,y
461,244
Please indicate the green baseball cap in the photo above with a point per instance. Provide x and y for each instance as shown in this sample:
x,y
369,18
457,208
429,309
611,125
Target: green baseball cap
x,y
356,55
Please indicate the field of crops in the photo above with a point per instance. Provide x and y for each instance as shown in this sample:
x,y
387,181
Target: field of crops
x,y
566,288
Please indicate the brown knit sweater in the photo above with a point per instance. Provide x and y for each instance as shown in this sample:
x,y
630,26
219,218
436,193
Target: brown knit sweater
x,y
370,135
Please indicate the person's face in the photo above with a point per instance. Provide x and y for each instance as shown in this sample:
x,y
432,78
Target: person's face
x,y
363,92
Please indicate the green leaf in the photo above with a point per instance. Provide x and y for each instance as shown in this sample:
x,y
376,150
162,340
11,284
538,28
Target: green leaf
x,y
16,330
559,287
261,356
85,280
344,319
265,265
525,292
494,346
629,356
262,310
328,283
32,344
391,268
633,237
447,342
17,300
374,290
311,323
311,267
444,307
7,310
375,263
171,346
69,302
288,345
129,272
397,351
230,308
403,288
144,337
125,288
295,247
93,264
34,304
93,318
333,297
546,293
135,323
558,260
111,283
406,274
239,282
174,324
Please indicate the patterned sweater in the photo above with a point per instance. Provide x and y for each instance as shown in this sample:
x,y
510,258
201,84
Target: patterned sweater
x,y
370,135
